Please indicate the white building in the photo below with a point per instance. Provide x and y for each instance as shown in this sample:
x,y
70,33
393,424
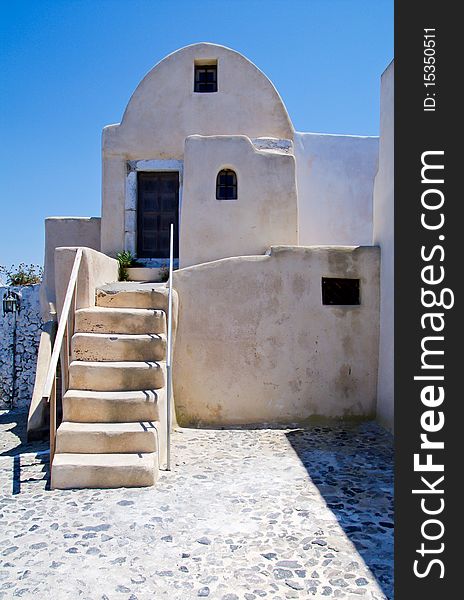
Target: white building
x,y
284,300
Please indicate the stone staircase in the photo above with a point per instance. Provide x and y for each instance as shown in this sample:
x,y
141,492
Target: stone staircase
x,y
113,432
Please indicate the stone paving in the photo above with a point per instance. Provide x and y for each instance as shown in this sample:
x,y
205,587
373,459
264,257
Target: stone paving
x,y
243,515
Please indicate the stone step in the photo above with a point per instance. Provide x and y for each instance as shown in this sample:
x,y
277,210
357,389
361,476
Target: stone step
x,y
113,407
118,346
116,375
106,438
119,320
126,294
103,470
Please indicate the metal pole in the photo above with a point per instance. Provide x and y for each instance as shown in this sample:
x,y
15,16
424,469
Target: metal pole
x,y
13,382
52,422
169,354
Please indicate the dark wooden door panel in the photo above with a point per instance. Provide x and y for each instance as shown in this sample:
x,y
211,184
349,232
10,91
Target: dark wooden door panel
x,y
157,208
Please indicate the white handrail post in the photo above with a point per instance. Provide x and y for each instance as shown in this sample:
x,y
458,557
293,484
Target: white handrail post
x,y
169,354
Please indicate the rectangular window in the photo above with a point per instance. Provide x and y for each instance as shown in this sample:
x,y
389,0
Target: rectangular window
x,y
205,78
338,292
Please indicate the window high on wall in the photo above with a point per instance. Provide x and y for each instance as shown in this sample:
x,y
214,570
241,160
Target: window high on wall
x,y
337,291
205,77
226,185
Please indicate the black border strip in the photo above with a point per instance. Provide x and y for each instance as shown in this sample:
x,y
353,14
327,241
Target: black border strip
x,y
418,131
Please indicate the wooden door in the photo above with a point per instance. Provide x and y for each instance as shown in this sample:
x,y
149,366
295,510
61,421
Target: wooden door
x,y
157,208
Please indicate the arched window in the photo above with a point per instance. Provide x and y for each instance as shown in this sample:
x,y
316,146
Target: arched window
x,y
226,185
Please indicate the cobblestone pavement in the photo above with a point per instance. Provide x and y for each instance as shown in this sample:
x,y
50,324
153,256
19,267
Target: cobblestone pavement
x,y
243,515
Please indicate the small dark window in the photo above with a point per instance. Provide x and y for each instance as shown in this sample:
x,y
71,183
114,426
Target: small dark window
x,y
205,78
337,291
226,185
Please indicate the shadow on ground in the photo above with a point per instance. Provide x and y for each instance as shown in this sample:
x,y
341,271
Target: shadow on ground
x,y
14,444
13,430
352,466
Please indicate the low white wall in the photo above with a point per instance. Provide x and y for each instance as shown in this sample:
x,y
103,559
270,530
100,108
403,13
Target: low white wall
x,y
64,231
264,213
384,237
37,422
255,344
335,179
96,269
28,329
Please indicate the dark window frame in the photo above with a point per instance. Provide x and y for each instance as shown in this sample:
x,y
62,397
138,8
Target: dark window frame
x,y
341,291
203,83
226,185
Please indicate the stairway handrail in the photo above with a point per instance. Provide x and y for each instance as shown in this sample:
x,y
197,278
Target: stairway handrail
x,y
64,333
169,353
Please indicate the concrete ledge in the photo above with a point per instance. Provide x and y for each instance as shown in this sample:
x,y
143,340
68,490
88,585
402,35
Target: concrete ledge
x,y
120,320
106,438
113,407
72,471
116,376
118,346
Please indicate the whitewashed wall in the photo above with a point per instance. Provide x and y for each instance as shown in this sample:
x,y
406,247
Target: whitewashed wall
x,y
28,330
335,180
384,237
264,214
163,111
254,343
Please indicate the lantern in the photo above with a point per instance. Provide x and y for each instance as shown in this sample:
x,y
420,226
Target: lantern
x,y
11,302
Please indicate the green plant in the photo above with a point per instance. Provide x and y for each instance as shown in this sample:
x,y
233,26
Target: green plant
x,y
23,274
164,273
126,259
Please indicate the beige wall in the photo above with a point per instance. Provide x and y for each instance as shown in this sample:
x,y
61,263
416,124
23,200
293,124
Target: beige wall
x,y
64,231
37,416
96,269
255,344
114,174
384,237
335,177
164,111
264,213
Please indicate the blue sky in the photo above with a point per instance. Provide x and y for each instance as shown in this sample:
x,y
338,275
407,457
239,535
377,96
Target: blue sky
x,y
68,68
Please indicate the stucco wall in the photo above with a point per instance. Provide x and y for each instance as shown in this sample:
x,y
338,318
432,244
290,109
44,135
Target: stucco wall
x,y
64,231
96,269
164,110
255,344
28,329
384,237
335,178
264,213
